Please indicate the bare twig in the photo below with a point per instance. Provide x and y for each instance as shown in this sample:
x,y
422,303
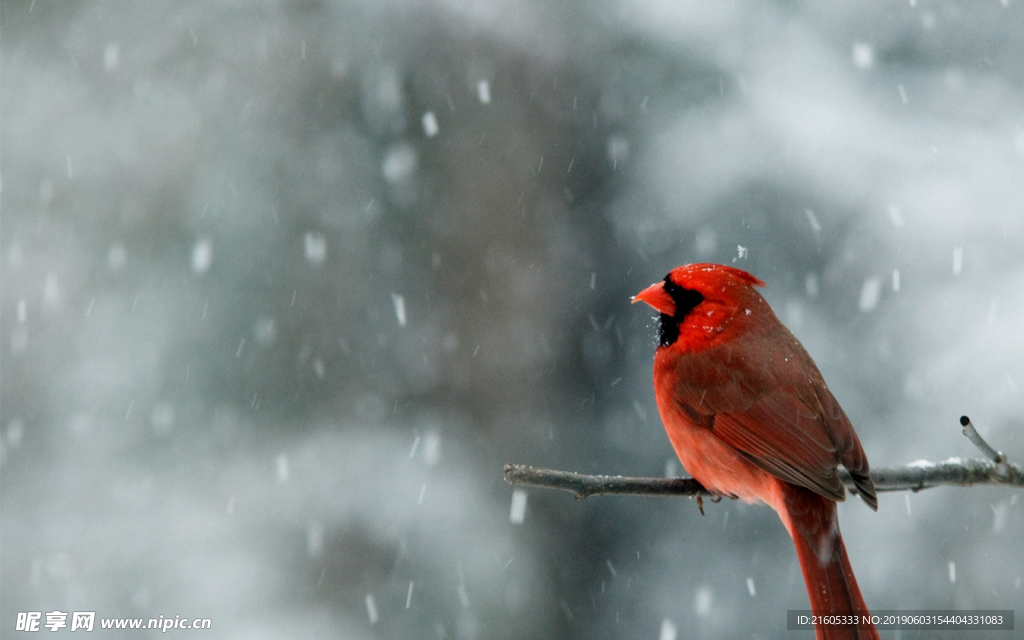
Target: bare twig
x,y
584,486
975,437
956,472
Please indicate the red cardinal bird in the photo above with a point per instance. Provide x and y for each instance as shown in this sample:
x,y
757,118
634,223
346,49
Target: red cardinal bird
x,y
750,416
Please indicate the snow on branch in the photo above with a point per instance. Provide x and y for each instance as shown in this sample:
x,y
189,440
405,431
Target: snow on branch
x,y
956,472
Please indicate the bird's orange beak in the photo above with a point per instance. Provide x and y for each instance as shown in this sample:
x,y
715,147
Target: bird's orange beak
x,y
656,296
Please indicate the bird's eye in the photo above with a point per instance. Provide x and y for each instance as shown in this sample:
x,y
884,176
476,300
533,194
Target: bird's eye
x,y
685,299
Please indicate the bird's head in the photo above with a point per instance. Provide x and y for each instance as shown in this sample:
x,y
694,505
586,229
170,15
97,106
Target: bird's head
x,y
701,299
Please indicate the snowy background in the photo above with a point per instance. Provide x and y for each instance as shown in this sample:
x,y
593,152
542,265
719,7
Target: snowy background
x,y
286,283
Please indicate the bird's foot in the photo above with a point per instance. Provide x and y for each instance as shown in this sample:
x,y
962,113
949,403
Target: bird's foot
x,y
716,498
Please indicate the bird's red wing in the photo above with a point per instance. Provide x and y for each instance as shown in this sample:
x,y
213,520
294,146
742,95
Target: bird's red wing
x,y
786,438
780,427
782,416
851,453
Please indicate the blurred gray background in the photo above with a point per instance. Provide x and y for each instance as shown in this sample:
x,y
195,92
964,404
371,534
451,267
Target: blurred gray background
x,y
286,283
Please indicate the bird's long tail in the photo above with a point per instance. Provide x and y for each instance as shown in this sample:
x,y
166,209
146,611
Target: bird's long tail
x,y
814,525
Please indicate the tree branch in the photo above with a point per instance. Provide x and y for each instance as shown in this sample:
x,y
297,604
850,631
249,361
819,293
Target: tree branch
x,y
975,437
956,472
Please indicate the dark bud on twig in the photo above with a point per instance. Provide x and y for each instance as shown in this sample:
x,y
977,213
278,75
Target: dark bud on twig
x,y
975,437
